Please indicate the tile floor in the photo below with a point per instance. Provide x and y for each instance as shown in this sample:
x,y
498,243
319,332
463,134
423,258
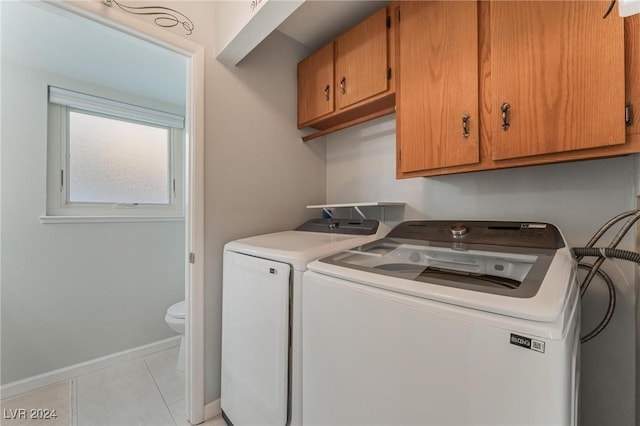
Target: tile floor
x,y
146,391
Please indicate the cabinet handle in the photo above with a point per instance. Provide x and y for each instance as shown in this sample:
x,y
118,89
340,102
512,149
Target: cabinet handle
x,y
343,85
505,117
628,115
326,93
465,125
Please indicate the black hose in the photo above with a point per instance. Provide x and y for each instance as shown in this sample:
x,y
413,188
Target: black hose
x,y
634,216
621,233
602,254
610,307
606,252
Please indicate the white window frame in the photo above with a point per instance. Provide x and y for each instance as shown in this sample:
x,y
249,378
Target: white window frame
x,y
59,208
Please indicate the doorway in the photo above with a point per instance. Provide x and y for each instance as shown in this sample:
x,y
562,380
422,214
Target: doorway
x,y
133,32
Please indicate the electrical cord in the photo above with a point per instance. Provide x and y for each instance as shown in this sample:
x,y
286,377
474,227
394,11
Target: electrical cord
x,y
602,254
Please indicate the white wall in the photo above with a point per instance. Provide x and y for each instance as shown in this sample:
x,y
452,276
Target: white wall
x,y
71,292
577,197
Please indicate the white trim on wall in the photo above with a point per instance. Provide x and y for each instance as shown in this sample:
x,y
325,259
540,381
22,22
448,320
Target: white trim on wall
x,y
109,219
194,185
68,373
194,241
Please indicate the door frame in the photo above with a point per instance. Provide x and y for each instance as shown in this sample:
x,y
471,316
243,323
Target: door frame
x,y
194,181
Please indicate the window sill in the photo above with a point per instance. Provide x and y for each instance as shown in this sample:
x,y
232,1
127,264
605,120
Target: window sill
x,y
109,219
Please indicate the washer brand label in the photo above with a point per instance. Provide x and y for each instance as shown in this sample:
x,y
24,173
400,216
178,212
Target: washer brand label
x,y
525,342
533,226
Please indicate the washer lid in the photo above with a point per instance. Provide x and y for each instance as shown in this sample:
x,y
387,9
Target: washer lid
x,y
511,272
522,270
178,310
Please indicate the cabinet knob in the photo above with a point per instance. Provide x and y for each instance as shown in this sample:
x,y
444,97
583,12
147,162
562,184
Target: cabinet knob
x,y
505,117
465,125
343,85
326,93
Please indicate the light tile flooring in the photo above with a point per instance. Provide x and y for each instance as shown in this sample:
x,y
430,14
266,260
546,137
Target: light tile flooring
x,y
147,391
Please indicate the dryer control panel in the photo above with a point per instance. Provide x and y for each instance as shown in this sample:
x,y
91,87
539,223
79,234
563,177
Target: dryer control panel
x,y
341,226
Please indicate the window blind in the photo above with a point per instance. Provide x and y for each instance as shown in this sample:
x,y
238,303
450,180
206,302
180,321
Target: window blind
x,y
100,105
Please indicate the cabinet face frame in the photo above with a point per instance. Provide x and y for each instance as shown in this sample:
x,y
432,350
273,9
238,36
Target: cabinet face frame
x,y
438,122
632,70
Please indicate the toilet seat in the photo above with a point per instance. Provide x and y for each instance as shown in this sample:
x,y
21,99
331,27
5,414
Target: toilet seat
x,y
178,310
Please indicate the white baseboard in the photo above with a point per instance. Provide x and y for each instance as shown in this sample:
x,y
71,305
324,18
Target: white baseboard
x,y
212,410
68,373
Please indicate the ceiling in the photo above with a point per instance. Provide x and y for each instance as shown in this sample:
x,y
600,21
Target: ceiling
x,y
45,37
317,22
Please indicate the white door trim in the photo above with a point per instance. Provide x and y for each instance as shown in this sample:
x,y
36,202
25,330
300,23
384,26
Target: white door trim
x,y
194,180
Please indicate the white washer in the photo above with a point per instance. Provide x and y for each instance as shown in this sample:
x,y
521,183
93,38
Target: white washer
x,y
443,323
261,313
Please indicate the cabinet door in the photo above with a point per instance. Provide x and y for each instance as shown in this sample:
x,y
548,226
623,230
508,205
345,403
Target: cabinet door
x,y
437,85
315,85
362,61
560,68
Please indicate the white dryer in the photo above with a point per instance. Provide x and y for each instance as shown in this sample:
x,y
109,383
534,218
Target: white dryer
x,y
444,323
261,313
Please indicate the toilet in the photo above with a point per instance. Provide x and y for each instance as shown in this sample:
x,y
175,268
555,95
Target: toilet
x,y
175,319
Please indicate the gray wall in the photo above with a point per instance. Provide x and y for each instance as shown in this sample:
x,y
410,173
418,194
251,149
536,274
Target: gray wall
x,y
71,292
578,197
259,175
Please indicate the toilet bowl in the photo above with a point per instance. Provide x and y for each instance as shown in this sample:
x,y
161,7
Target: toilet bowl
x,y
175,319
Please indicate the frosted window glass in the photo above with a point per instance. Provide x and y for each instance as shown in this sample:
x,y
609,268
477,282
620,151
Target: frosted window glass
x,y
114,161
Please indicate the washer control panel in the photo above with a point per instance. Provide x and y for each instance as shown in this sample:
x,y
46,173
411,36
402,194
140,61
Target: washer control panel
x,y
458,229
510,234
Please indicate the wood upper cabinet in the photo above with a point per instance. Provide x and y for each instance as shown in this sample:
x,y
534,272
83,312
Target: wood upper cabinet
x,y
553,79
316,85
437,121
361,61
557,77
351,79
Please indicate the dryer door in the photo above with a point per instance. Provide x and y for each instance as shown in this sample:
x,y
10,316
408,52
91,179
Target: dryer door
x,y
255,340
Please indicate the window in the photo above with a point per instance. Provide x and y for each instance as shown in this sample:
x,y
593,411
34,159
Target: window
x,y
110,159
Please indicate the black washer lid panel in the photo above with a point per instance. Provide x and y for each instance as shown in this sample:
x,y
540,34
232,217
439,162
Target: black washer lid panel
x,y
500,233
340,226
